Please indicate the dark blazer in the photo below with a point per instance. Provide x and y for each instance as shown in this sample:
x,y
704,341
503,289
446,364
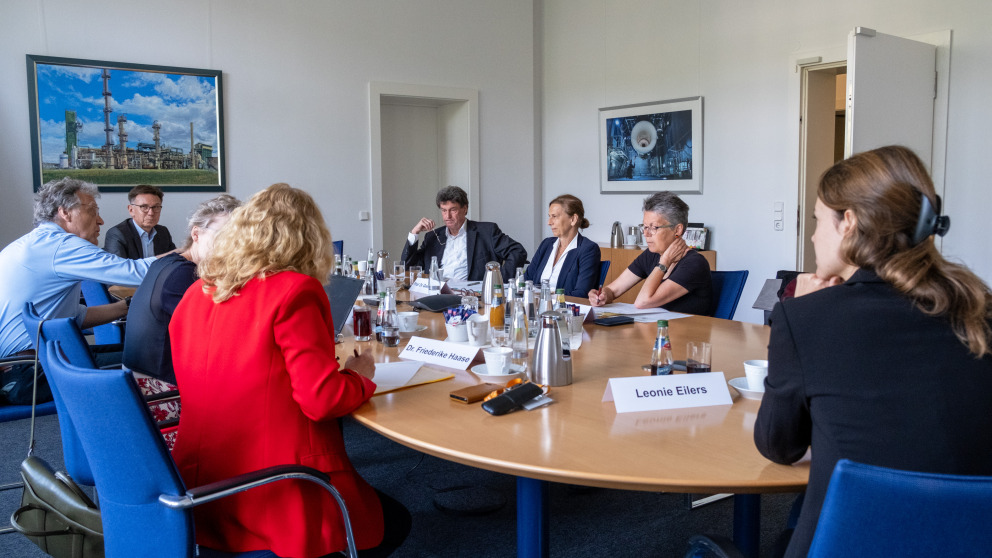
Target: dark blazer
x,y
580,272
857,371
122,239
484,243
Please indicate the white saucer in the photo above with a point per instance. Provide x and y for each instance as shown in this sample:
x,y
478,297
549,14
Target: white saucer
x,y
481,370
740,384
415,331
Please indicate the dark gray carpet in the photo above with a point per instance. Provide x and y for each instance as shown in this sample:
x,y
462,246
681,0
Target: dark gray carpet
x,y
584,521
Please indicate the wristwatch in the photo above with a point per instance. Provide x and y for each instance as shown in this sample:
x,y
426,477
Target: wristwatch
x,y
662,267
127,301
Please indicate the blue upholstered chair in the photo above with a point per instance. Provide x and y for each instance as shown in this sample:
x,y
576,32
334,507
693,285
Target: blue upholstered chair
x,y
77,352
145,507
96,294
876,511
17,412
604,267
727,289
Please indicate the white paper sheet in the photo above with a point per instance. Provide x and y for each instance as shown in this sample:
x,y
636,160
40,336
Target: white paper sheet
x,y
394,375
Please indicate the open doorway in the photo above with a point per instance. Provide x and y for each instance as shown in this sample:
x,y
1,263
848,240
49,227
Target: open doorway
x,y
422,139
822,124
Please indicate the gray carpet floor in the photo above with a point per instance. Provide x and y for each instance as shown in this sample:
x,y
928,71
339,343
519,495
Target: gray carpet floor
x,y
441,496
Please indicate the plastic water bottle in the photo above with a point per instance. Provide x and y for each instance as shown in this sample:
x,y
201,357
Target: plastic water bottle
x,y
661,356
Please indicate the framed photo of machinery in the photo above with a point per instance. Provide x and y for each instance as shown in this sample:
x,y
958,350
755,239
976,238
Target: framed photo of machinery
x,y
650,147
117,124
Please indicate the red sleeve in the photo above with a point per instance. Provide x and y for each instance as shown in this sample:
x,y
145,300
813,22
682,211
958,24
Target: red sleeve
x,y
304,333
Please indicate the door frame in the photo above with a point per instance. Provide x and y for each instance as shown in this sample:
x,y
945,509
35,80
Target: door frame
x,y
430,94
938,163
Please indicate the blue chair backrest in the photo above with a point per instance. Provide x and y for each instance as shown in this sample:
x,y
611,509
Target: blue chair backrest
x,y
876,511
96,294
77,351
338,247
727,289
604,267
131,464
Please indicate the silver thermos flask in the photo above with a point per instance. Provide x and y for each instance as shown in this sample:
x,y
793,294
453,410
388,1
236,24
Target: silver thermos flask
x,y
492,278
616,238
550,364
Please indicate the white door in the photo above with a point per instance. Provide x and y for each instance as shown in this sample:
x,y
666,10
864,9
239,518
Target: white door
x,y
891,86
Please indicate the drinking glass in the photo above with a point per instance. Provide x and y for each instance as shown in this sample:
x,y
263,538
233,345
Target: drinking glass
x,y
415,272
362,323
399,274
697,357
500,336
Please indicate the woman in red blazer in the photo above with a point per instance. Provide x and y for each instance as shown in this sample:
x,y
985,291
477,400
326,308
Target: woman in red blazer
x,y
253,350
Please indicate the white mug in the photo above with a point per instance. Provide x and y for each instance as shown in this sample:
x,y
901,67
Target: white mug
x,y
497,359
756,371
408,321
478,330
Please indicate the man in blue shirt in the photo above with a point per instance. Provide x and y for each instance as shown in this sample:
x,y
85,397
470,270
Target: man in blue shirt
x,y
47,265
140,236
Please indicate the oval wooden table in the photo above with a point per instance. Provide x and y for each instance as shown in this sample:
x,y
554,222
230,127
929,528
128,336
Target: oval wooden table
x,y
579,439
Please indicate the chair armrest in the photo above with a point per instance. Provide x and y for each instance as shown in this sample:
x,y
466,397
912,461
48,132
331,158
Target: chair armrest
x,y
227,487
162,396
12,360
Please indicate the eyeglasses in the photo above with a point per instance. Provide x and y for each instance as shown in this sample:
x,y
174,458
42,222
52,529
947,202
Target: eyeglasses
x,y
91,208
146,208
649,230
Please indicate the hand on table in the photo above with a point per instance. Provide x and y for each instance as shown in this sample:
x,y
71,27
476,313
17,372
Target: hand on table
x,y
599,297
362,364
424,224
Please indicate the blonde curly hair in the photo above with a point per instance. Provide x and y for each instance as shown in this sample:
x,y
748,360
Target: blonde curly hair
x,y
278,229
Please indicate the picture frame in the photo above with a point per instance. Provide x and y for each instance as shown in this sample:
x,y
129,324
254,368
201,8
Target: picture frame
x,y
118,124
695,236
648,147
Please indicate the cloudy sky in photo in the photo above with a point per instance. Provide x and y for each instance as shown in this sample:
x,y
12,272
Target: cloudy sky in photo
x,y
174,100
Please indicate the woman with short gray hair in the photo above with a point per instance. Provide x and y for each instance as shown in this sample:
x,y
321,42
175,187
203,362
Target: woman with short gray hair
x,y
146,341
675,277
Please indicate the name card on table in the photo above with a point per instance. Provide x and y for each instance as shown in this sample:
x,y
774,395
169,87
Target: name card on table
x,y
442,353
426,286
674,391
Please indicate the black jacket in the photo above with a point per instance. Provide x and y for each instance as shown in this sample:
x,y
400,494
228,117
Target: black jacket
x,y
124,241
485,243
857,371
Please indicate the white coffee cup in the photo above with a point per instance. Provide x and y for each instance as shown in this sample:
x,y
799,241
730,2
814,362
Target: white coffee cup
x,y
457,333
363,266
408,321
756,370
497,359
478,330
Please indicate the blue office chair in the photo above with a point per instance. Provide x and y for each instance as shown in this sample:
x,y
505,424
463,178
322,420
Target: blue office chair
x,y
145,507
77,352
338,247
876,511
17,412
96,294
604,267
727,289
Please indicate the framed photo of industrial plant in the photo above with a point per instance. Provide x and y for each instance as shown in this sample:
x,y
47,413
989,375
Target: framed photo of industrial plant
x,y
650,147
118,124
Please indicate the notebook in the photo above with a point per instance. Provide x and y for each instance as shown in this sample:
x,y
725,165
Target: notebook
x,y
342,292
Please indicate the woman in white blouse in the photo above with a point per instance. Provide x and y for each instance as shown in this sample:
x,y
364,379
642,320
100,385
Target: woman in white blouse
x,y
568,260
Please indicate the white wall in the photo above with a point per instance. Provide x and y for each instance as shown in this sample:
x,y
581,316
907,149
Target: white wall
x,y
600,53
296,99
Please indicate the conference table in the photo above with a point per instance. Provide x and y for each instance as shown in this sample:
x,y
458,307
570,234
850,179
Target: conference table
x,y
580,439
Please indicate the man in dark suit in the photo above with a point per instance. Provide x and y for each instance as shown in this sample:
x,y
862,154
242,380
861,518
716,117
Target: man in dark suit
x,y
463,247
140,236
